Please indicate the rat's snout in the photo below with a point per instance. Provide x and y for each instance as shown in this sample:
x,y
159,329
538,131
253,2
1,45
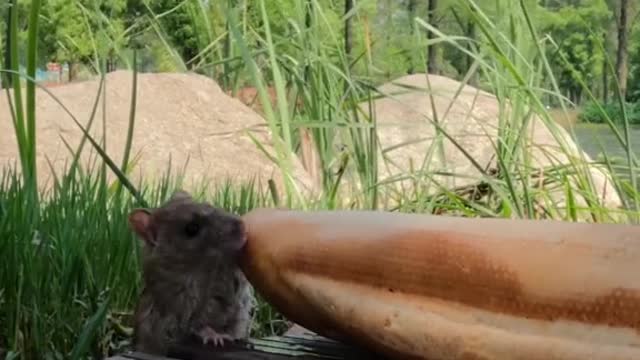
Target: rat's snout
x,y
238,231
236,236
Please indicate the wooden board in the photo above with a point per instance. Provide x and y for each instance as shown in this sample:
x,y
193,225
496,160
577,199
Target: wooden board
x,y
303,347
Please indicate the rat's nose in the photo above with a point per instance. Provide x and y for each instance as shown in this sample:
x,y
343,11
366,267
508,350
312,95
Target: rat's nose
x,y
237,234
237,229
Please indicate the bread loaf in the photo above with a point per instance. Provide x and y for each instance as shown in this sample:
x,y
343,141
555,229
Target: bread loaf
x,y
432,287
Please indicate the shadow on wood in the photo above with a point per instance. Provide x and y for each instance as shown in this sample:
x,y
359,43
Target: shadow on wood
x,y
302,347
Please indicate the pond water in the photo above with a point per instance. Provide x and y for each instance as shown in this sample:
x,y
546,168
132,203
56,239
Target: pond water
x,y
596,138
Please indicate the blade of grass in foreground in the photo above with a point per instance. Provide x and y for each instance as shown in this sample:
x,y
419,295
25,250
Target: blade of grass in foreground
x,y
32,42
90,331
283,147
14,66
132,115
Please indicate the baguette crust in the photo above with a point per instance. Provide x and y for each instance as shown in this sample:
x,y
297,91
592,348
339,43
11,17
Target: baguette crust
x,y
435,287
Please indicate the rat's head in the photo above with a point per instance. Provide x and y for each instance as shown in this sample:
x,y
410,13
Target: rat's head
x,y
183,227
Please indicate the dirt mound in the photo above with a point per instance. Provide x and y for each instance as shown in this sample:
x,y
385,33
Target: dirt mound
x,y
181,119
407,134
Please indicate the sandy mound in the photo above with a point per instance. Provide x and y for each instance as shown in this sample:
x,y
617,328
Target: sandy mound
x,y
472,120
185,118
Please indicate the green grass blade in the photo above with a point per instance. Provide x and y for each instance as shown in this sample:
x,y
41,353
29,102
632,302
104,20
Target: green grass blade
x,y
132,115
89,331
32,57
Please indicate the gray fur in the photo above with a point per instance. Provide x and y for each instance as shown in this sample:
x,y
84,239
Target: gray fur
x,y
190,282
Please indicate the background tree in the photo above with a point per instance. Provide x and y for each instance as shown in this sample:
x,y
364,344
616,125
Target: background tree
x,y
178,24
622,54
79,32
432,59
633,85
348,28
4,13
411,10
609,41
577,32
73,31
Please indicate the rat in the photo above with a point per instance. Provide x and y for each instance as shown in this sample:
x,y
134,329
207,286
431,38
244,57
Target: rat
x,y
192,281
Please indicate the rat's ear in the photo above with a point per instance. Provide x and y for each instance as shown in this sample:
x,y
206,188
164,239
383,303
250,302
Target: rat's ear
x,y
140,222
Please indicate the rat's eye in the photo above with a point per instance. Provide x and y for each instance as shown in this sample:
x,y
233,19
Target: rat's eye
x,y
192,229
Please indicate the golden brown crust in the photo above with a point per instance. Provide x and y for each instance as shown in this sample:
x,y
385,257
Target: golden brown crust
x,y
507,285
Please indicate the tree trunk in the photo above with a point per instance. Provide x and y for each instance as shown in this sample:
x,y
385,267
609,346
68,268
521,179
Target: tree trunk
x,y
579,97
622,53
111,64
348,37
308,16
471,34
432,65
411,10
574,96
605,72
73,69
389,20
5,79
605,83
308,13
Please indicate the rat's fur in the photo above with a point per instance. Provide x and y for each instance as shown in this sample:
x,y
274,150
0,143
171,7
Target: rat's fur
x,y
192,282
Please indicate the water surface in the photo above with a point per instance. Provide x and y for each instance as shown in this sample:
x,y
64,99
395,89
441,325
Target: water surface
x,y
595,139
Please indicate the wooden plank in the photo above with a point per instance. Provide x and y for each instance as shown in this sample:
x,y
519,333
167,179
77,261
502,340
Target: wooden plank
x,y
301,347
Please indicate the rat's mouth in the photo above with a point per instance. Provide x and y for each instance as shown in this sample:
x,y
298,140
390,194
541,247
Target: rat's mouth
x,y
240,241
243,240
244,235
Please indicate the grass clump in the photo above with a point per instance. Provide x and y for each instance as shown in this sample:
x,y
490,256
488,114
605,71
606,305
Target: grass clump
x,y
70,273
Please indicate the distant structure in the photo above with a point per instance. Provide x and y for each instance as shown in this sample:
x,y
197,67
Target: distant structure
x,y
55,74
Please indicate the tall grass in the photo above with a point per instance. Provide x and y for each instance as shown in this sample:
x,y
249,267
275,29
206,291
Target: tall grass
x,y
75,275
70,265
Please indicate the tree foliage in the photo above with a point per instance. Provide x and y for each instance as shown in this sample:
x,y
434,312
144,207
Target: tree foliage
x,y
384,32
577,32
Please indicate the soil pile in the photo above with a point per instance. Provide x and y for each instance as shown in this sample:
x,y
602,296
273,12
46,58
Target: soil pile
x,y
471,117
183,121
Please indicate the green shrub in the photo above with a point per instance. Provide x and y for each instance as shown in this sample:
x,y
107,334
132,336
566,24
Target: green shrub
x,y
593,114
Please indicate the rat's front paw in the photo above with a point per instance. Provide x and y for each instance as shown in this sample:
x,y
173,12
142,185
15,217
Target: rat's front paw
x,y
208,334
